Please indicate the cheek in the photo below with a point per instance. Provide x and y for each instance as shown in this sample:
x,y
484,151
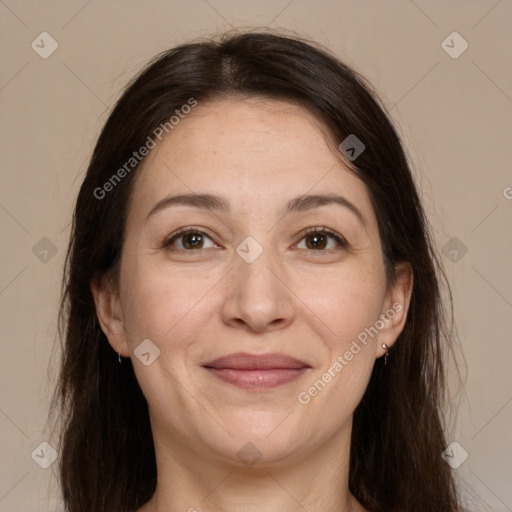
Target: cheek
x,y
162,305
171,311
347,301
348,304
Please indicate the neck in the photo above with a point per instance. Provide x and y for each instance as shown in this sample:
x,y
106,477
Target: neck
x,y
317,481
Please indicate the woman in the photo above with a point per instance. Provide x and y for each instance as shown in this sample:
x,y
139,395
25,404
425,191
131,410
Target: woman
x,y
252,306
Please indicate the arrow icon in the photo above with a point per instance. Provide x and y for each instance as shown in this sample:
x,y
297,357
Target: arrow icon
x,y
454,45
352,147
44,455
249,454
44,250
454,249
147,352
44,45
249,253
454,455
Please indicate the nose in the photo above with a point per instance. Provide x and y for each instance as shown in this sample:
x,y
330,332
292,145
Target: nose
x,y
258,298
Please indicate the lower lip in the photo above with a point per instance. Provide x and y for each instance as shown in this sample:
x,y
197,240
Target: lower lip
x,y
258,379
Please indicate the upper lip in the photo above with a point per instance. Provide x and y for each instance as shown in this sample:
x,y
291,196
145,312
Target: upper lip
x,y
246,361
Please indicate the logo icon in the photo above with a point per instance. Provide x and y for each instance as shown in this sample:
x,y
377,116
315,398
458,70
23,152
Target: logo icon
x,y
249,454
146,352
249,249
455,455
44,250
352,147
44,45
44,455
454,249
454,45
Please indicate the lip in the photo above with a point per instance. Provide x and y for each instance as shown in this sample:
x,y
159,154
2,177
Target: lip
x,y
246,361
257,372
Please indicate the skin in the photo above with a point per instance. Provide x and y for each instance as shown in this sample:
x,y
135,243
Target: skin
x,y
307,302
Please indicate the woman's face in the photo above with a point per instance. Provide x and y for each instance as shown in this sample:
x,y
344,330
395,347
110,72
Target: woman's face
x,y
248,279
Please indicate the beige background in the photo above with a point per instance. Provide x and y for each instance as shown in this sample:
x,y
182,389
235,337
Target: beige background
x,y
455,116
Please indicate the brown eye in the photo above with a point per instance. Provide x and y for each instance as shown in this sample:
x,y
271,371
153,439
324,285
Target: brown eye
x,y
189,239
318,239
192,240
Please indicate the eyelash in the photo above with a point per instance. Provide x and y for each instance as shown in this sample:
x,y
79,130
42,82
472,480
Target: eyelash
x,y
191,229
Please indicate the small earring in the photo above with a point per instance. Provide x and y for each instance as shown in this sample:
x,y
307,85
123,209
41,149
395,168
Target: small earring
x,y
386,348
119,357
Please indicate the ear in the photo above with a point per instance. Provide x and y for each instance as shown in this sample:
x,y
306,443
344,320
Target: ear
x,y
109,313
395,307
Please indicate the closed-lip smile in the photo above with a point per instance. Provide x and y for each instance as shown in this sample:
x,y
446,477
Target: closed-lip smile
x,y
256,372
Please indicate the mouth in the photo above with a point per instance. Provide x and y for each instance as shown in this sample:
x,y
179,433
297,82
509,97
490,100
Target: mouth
x,y
257,372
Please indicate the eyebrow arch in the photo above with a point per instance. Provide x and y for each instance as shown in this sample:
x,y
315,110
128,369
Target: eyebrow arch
x,y
218,203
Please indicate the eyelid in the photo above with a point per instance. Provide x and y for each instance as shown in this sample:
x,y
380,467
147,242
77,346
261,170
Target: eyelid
x,y
182,231
342,242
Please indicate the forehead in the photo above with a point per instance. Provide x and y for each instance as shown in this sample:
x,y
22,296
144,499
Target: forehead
x,y
257,152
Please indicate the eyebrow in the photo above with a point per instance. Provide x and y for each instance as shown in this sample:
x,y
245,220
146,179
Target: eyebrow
x,y
298,204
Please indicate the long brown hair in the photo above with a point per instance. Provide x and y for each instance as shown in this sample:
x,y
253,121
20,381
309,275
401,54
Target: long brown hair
x,y
107,458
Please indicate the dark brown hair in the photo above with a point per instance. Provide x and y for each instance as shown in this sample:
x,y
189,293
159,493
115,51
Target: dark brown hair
x,y
398,431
